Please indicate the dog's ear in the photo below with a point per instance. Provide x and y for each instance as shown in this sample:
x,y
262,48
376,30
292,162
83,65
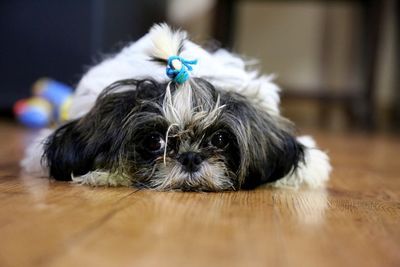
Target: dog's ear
x,y
268,150
91,142
94,141
66,152
282,157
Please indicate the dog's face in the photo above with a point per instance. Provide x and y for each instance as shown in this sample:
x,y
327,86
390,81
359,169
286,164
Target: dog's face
x,y
158,136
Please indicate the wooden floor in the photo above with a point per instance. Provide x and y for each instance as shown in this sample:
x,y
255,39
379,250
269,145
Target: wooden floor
x,y
355,221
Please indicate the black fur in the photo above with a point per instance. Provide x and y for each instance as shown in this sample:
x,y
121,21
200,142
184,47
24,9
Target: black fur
x,y
273,152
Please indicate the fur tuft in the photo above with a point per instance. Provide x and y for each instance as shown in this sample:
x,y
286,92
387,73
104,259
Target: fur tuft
x,y
166,42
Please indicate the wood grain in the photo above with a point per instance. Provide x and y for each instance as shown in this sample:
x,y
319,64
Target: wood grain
x,y
355,221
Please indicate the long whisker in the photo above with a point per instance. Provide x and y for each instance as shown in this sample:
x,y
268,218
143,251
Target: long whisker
x,y
166,141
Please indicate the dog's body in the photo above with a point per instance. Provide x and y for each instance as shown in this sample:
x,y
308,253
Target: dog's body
x,y
219,130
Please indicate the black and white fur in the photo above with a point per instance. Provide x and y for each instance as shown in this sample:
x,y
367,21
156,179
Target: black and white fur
x,y
220,130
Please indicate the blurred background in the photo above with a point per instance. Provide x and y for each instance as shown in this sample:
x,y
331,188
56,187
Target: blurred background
x,y
336,61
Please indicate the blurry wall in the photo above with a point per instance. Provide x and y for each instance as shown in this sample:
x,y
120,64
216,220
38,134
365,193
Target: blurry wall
x,y
196,17
387,67
310,45
288,38
60,39
285,37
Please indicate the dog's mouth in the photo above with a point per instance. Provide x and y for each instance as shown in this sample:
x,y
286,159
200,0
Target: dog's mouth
x,y
204,177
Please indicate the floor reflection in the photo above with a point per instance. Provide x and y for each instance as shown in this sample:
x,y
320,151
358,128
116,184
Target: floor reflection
x,y
308,206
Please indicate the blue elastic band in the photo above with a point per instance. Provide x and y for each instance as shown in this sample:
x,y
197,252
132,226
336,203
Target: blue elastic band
x,y
182,75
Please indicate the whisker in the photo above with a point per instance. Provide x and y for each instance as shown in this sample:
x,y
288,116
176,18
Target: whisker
x,y
166,141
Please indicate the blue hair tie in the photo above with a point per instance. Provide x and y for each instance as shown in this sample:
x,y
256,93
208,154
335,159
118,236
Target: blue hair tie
x,y
182,75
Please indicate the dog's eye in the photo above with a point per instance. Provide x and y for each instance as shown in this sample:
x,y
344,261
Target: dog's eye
x,y
220,140
154,142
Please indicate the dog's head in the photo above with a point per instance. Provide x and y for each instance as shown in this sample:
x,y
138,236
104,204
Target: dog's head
x,y
167,136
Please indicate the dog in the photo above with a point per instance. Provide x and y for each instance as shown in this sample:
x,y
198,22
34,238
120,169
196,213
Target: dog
x,y
165,114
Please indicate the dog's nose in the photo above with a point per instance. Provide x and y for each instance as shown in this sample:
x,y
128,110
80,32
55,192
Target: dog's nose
x,y
190,161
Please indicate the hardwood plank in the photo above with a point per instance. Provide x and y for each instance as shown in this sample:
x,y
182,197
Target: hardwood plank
x,y
355,221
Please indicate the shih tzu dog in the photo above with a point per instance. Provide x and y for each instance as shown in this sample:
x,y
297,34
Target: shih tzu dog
x,y
166,114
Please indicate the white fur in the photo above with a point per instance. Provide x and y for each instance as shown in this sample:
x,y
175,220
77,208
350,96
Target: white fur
x,y
101,178
313,172
178,108
165,41
227,71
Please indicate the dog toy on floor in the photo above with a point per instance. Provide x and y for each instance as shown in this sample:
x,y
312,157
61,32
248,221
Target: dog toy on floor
x,y
165,114
49,104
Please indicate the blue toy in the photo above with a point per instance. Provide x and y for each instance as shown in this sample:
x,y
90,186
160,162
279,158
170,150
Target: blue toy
x,y
34,112
49,104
